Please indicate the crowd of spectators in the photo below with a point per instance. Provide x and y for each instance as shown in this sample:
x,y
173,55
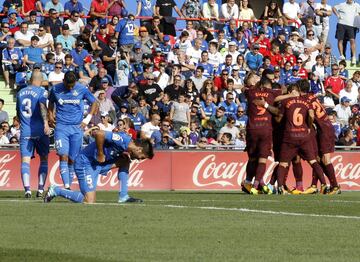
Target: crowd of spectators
x,y
180,90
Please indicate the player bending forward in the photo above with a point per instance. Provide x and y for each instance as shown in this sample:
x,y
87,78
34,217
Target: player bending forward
x,y
110,150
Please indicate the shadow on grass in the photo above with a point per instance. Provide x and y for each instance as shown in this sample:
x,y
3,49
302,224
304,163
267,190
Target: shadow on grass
x,y
24,254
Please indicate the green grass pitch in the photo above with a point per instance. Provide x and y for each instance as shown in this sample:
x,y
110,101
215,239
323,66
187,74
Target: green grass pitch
x,y
182,226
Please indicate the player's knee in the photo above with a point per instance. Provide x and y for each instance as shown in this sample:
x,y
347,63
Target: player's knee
x,y
90,198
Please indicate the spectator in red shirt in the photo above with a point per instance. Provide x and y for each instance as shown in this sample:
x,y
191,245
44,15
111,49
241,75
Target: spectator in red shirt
x,y
98,9
264,43
288,55
302,71
221,81
275,56
335,80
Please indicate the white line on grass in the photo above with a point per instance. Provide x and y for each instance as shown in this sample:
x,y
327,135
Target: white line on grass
x,y
244,210
264,211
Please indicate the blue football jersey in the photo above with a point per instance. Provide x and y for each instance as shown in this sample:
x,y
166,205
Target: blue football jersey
x,y
70,103
126,31
115,144
28,108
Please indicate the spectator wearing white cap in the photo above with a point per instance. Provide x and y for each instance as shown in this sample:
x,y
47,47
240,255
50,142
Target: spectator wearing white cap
x,y
238,82
343,111
215,58
105,125
105,104
346,13
232,50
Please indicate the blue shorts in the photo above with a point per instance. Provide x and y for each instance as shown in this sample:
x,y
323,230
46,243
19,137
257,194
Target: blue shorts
x,y
87,173
68,140
29,144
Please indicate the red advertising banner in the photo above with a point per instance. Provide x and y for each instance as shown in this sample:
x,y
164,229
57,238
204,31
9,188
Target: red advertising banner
x,y
179,170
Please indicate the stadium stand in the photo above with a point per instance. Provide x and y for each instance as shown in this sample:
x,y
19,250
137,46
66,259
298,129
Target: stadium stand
x,y
222,42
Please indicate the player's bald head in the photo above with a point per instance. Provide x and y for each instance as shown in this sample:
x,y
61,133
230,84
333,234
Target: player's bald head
x,y
36,77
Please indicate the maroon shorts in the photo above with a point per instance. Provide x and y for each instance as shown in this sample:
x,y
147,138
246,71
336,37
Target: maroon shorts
x,y
326,140
258,143
302,147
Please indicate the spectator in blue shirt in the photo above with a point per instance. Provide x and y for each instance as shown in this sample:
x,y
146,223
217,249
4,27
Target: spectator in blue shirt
x,y
79,54
145,8
254,58
73,5
33,54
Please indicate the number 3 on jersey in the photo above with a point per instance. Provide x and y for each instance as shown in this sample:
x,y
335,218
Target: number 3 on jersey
x,y
26,111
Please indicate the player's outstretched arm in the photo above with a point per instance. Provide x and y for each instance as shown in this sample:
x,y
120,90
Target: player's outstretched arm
x,y
100,140
293,93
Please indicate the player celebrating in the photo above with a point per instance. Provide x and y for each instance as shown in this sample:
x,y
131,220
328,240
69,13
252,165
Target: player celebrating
x,y
99,157
258,136
68,97
299,116
325,142
34,131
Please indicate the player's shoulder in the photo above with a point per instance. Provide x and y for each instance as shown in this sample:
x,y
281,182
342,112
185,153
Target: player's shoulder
x,y
58,88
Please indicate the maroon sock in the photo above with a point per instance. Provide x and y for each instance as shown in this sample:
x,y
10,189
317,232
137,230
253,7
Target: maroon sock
x,y
319,172
330,173
286,176
274,175
260,171
250,170
281,174
314,180
298,174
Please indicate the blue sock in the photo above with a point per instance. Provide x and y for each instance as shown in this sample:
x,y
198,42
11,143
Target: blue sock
x,y
123,179
71,173
74,196
25,175
64,172
42,174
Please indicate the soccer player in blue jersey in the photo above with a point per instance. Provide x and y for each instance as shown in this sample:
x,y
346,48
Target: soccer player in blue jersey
x,y
110,150
34,131
68,98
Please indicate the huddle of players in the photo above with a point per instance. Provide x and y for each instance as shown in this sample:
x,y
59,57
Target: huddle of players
x,y
293,125
63,109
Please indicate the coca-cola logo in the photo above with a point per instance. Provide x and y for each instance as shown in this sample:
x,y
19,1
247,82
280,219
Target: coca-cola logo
x,y
347,174
209,172
5,173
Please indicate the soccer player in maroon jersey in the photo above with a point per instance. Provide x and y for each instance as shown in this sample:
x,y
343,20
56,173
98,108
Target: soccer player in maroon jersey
x,y
258,136
278,132
299,116
325,142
